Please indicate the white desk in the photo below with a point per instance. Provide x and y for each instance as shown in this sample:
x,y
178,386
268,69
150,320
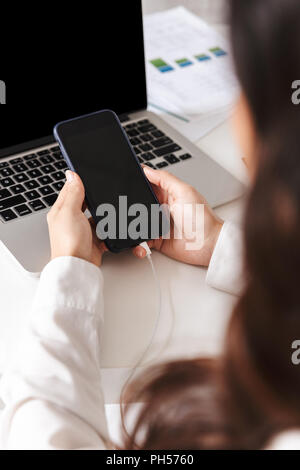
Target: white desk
x,y
194,316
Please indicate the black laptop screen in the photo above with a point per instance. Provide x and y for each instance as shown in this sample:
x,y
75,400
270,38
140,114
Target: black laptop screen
x,y
66,61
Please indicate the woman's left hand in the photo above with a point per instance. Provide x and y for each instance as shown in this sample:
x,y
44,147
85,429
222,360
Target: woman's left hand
x,y
71,233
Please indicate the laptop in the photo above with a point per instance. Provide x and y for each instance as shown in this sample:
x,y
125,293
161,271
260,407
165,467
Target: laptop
x,y
89,61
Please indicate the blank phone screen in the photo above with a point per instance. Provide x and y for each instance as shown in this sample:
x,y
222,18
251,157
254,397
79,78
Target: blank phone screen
x,y
103,158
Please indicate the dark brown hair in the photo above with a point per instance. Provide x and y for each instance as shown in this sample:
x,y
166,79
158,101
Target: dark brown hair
x,y
241,400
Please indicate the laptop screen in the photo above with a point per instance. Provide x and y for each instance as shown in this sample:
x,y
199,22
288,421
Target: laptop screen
x,y
60,63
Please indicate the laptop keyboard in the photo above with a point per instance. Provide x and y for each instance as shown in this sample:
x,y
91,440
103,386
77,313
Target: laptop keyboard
x,y
152,146
31,183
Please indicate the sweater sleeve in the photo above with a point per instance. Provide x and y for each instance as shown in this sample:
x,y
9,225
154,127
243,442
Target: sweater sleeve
x,y
225,271
52,389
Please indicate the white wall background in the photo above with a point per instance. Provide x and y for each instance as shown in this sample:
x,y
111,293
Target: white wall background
x,y
213,11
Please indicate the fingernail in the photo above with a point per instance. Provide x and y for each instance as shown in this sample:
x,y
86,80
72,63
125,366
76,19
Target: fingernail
x,y
69,176
140,252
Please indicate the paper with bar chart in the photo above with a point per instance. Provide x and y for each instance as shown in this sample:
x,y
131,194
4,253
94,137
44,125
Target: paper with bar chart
x,y
189,65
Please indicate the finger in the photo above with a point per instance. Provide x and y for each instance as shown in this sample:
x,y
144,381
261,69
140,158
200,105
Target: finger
x,y
61,198
72,194
164,180
92,223
140,252
100,243
103,247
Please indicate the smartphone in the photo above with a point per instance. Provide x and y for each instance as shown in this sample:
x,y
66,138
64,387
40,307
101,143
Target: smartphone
x,y
118,195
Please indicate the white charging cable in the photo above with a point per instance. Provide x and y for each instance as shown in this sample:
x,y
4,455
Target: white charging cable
x,y
158,290
156,323
157,317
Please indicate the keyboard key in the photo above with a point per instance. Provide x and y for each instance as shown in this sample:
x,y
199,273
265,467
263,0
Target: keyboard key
x,y
147,128
34,173
55,149
150,164
20,167
14,161
37,205
137,150
8,215
4,193
33,184
11,201
130,126
32,195
157,134
59,185
47,169
186,156
148,156
6,172
162,142
165,150
133,133
123,118
135,141
50,200
21,177
162,165
30,156
3,164
57,156
146,147
34,163
43,152
146,137
45,180
61,165
17,189
140,160
59,175
23,210
172,159
143,122
7,182
45,190
47,159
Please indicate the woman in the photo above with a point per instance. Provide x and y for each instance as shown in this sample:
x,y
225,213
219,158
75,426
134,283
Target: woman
x,y
248,398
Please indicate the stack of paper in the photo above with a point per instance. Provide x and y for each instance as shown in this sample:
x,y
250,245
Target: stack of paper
x,y
189,71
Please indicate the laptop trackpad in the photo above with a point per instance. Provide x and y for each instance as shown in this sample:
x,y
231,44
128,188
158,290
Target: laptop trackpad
x,y
28,241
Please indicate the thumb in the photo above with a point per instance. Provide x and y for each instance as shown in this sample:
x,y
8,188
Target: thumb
x,y
165,181
72,194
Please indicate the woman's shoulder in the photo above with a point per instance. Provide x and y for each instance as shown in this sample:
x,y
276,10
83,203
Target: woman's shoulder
x,y
287,440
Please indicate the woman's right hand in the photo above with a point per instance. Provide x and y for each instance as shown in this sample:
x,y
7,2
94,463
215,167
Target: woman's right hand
x,y
170,190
